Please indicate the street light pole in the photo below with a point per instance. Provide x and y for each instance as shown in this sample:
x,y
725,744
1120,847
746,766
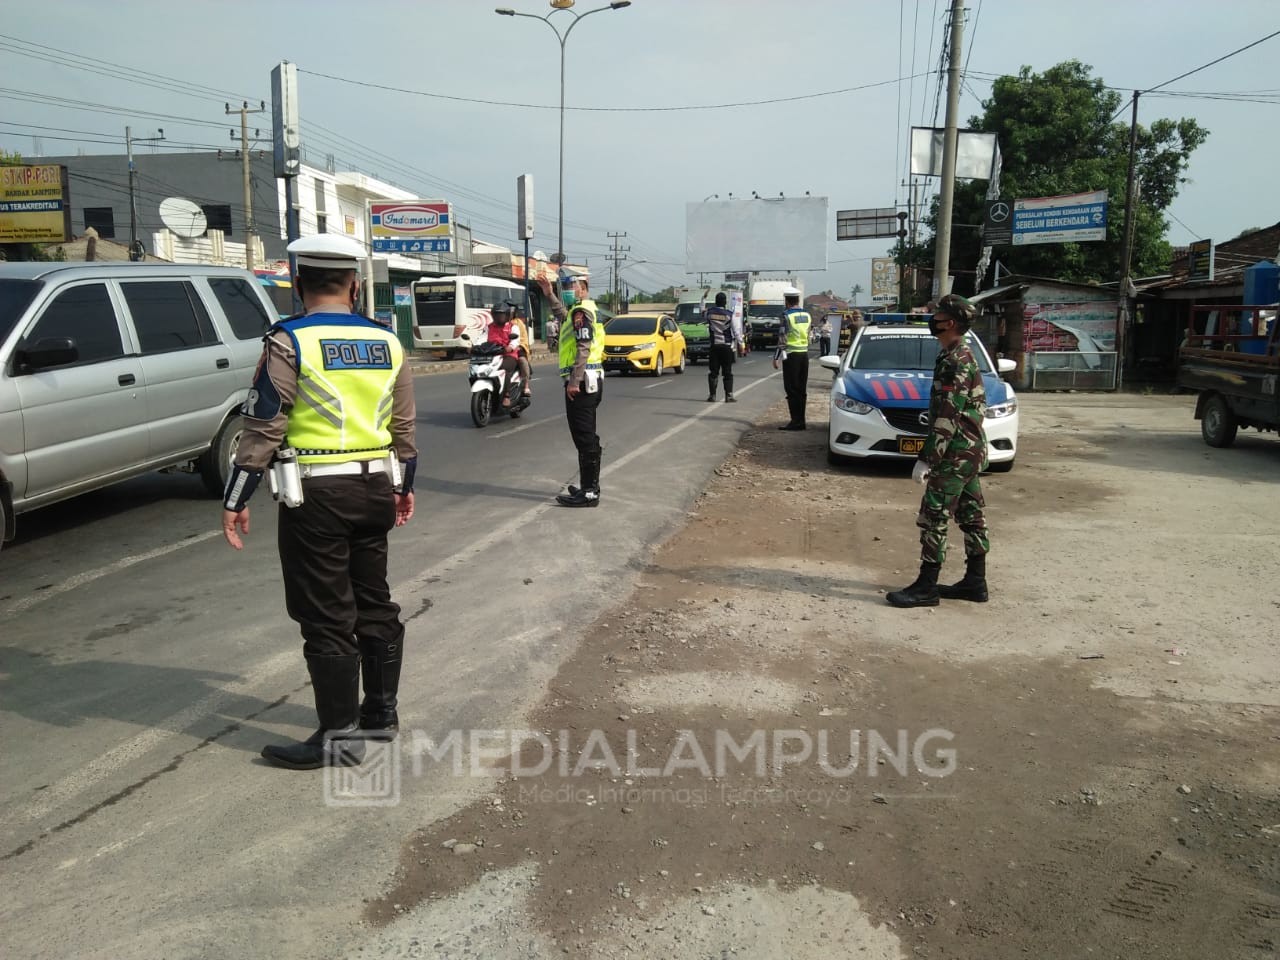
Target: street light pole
x,y
559,5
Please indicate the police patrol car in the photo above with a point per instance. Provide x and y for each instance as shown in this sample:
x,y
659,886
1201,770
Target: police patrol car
x,y
880,398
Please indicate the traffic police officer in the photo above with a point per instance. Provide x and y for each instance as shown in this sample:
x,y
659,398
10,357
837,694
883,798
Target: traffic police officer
x,y
954,455
724,343
582,370
333,399
793,352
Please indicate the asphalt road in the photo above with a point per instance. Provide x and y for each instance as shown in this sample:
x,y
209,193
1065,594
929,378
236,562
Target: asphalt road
x,y
143,664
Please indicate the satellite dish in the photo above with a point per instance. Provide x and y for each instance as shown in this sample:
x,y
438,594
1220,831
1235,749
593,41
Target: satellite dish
x,y
183,217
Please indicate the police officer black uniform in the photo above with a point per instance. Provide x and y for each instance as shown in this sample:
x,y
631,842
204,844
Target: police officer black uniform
x,y
333,399
724,344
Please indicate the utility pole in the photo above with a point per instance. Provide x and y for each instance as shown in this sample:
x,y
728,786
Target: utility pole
x,y
244,112
942,254
133,188
619,254
1126,255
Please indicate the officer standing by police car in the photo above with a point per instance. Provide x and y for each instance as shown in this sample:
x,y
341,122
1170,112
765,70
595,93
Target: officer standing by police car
x,y
332,405
582,370
793,353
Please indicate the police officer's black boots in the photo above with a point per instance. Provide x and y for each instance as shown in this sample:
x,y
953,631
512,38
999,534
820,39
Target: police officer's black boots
x,y
380,666
711,388
922,593
973,586
336,684
588,495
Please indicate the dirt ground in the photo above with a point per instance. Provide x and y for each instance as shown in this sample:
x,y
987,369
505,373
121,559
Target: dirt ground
x,y
1088,765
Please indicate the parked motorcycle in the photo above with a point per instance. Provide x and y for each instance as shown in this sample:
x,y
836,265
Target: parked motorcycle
x,y
490,383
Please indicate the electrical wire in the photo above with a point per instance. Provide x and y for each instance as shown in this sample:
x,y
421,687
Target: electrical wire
x,y
551,106
1204,66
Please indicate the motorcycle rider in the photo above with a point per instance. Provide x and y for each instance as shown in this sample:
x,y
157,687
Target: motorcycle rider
x,y
524,355
507,335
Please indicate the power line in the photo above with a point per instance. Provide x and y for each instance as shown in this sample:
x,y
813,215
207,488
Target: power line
x,y
1225,56
547,106
128,71
1204,66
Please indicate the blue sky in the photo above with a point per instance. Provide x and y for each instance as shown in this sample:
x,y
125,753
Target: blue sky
x,y
631,169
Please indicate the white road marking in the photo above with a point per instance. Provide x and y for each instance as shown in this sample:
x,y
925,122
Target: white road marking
x,y
88,576
107,764
524,426
658,383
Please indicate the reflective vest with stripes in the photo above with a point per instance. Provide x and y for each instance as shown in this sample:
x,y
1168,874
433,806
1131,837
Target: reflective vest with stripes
x,y
347,369
569,342
798,331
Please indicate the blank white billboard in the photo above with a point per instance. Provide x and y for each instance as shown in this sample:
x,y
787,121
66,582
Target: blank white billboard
x,y
728,236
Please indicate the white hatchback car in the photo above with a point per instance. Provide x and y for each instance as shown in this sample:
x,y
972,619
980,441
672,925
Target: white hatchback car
x,y
880,398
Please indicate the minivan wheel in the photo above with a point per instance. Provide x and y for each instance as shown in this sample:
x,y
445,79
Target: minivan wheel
x,y
216,462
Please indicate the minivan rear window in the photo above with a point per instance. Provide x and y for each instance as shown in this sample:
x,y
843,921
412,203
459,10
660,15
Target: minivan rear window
x,y
241,305
166,316
15,297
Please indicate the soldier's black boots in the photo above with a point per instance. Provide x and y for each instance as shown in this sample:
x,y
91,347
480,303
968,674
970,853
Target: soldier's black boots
x,y
380,666
973,586
922,593
336,684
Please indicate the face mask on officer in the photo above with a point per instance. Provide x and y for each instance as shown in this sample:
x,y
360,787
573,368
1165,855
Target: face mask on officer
x,y
938,322
569,295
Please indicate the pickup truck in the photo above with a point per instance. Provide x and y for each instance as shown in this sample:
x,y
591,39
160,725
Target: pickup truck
x,y
1231,358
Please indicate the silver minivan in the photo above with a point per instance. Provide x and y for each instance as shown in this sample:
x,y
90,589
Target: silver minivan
x,y
110,370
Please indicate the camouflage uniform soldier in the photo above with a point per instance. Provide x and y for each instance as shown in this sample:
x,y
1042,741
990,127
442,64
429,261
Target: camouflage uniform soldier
x,y
954,455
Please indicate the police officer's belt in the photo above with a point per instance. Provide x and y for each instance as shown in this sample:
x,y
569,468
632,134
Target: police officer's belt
x,y
352,468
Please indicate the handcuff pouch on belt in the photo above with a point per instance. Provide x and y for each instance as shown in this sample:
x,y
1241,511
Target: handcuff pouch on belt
x,y
285,477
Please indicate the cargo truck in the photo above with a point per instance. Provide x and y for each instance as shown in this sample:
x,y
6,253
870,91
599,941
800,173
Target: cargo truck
x,y
764,309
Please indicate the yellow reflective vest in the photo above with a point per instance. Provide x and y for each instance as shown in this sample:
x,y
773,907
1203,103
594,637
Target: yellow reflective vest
x,y
797,331
347,369
569,341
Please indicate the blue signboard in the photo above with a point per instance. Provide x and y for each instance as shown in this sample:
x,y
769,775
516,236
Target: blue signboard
x,y
387,245
1068,219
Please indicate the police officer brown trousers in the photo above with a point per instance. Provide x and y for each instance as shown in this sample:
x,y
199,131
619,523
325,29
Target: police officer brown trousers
x,y
333,553
581,412
795,381
720,362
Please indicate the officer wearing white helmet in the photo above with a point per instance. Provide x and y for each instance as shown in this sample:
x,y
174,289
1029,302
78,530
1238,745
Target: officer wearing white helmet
x,y
793,354
331,414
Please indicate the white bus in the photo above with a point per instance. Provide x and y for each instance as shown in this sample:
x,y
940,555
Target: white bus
x,y
444,308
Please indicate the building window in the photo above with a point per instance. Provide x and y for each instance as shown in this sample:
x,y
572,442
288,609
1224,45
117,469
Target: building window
x,y
218,216
322,223
102,219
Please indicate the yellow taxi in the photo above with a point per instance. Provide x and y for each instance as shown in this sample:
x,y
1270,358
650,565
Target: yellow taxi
x,y
647,342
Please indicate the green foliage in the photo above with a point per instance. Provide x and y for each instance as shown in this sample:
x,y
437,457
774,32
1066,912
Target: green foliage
x,y
1057,136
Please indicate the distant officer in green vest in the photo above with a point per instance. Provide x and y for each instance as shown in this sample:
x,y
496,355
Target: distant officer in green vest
x,y
332,405
793,354
582,371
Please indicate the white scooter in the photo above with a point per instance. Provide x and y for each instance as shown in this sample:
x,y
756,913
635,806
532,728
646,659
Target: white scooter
x,y
490,383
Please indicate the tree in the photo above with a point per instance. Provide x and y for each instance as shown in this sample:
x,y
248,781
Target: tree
x,y
1061,132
